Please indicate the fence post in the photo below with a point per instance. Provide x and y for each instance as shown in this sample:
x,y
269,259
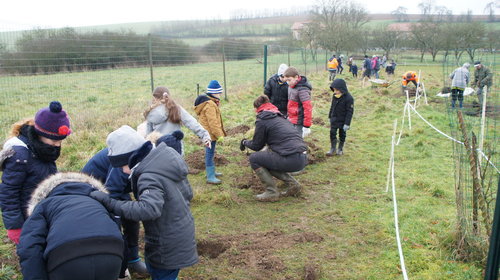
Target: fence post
x,y
265,64
304,51
151,62
288,51
491,272
224,70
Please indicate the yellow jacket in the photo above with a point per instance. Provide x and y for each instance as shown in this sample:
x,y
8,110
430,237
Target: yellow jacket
x,y
210,118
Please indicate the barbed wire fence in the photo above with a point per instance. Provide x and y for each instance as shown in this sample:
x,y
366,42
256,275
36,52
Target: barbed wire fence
x,y
476,160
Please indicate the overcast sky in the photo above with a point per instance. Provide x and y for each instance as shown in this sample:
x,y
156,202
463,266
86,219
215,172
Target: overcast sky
x,y
25,14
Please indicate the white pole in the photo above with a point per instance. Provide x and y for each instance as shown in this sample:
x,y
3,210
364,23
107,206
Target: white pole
x,y
391,158
483,121
425,94
402,123
417,95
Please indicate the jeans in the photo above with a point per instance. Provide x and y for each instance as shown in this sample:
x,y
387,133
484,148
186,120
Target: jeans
x,y
209,155
162,274
457,94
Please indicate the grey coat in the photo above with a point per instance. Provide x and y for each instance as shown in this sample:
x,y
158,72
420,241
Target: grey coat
x,y
164,194
460,77
157,120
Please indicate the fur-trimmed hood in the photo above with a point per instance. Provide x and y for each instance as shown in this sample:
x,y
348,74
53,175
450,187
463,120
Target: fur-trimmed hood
x,y
43,189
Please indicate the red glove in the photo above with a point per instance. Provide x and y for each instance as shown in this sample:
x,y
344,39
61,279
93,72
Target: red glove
x,y
14,235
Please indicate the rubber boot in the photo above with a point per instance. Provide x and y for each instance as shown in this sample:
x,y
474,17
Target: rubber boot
x,y
138,267
293,187
271,193
218,174
333,148
340,151
211,179
453,103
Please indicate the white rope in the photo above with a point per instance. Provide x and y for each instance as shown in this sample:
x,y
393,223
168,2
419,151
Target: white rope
x,y
396,220
391,158
488,160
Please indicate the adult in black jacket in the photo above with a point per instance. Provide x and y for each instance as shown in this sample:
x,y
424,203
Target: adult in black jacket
x,y
68,234
277,90
340,115
286,153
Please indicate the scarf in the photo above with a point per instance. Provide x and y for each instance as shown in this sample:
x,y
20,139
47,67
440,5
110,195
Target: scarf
x,y
42,151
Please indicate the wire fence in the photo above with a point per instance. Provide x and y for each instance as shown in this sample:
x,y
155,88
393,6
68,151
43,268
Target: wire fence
x,y
476,162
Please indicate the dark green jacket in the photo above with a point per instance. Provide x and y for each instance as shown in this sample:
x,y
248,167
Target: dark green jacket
x,y
483,77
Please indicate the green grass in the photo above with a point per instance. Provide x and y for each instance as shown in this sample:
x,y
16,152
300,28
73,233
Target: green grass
x,y
344,206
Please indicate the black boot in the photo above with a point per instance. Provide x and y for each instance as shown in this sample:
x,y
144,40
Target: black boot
x,y
333,148
340,151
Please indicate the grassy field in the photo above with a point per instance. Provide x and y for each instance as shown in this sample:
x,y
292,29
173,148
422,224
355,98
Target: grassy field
x,y
342,227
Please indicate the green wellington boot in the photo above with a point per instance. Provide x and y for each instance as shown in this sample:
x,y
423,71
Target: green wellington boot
x,y
271,194
293,187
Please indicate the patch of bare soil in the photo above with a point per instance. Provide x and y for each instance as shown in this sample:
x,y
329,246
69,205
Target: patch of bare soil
x,y
247,181
255,251
238,129
319,121
311,272
314,153
196,161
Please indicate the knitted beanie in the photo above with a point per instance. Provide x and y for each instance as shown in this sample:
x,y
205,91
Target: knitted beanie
x,y
282,69
52,122
121,144
340,85
477,63
214,87
172,140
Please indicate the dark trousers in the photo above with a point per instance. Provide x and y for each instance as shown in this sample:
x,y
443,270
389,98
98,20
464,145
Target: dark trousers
x,y
131,236
273,161
457,93
340,69
333,134
92,267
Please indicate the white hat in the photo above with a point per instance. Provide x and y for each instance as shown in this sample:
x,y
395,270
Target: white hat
x,y
282,69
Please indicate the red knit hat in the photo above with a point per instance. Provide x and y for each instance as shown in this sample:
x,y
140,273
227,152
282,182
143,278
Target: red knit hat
x,y
52,122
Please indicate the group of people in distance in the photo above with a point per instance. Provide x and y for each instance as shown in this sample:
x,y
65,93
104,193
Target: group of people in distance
x,y
85,225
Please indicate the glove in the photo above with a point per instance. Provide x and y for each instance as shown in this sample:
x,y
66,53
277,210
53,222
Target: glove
x,y
346,127
104,198
305,131
14,235
220,139
242,144
207,143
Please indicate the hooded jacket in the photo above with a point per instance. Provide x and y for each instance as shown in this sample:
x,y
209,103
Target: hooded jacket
x,y
65,223
22,171
157,120
299,103
341,109
209,116
277,91
273,129
459,78
163,201
115,181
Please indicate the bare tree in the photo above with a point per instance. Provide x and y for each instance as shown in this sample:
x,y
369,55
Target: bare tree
x,y
387,39
401,14
426,7
442,13
490,9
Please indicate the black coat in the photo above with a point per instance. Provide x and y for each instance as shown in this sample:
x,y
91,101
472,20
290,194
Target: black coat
x,y
341,110
273,129
277,92
65,223
22,171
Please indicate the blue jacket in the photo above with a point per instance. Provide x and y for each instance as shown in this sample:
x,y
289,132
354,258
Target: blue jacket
x,y
22,171
114,179
65,223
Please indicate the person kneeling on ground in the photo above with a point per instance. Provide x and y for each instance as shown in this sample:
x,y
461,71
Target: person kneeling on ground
x,y
340,115
286,153
68,234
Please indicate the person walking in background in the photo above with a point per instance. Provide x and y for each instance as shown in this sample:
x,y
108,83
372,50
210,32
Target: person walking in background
x,y
383,61
459,80
375,66
68,234
340,67
277,90
209,115
286,153
367,67
299,101
29,156
160,184
332,65
390,68
340,115
482,77
354,70
350,62
118,185
165,116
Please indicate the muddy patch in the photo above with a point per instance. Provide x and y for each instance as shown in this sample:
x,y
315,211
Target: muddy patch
x,y
238,129
196,161
247,181
319,121
314,153
255,251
